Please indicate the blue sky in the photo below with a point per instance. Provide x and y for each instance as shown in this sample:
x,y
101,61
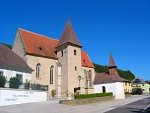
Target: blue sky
x,y
122,26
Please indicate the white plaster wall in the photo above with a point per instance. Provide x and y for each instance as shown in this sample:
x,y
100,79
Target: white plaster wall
x,y
9,73
120,94
10,97
116,88
110,87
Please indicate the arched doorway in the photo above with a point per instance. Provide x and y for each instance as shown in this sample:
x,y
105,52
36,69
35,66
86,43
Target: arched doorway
x,y
104,89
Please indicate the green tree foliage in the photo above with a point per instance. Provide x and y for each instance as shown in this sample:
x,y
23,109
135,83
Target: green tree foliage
x,y
124,74
9,46
2,81
100,68
14,82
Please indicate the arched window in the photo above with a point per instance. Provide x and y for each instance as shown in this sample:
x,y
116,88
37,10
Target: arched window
x,y
38,66
51,74
90,78
75,52
104,89
62,53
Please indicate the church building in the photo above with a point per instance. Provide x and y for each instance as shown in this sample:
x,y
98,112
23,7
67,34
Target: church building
x,y
61,65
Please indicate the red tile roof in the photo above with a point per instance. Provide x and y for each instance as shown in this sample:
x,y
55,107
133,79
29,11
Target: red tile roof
x,y
103,78
86,62
39,45
69,36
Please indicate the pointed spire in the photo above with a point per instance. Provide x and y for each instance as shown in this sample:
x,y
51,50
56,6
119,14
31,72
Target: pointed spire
x,y
111,61
69,36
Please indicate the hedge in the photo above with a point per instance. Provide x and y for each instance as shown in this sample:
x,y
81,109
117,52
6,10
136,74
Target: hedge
x,y
83,96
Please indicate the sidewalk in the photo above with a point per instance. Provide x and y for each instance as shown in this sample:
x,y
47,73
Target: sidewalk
x,y
54,107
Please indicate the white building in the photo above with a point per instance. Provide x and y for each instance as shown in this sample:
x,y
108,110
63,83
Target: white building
x,y
110,82
11,65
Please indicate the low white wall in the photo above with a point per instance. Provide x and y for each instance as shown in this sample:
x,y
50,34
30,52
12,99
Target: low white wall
x,y
116,88
12,96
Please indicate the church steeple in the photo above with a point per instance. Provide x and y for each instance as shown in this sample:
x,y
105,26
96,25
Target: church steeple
x,y
111,61
69,36
112,66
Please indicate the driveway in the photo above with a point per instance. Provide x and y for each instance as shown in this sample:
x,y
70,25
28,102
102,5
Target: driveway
x,y
54,107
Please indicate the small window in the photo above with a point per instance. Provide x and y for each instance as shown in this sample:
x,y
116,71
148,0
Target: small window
x,y
20,77
84,60
1,73
40,48
75,52
62,53
143,84
75,68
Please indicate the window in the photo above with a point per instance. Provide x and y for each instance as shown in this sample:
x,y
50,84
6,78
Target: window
x,y
126,83
1,73
75,52
90,78
51,74
59,70
20,77
38,66
104,89
143,84
84,60
62,53
75,68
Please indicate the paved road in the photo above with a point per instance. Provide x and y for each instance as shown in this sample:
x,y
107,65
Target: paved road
x,y
54,107
135,107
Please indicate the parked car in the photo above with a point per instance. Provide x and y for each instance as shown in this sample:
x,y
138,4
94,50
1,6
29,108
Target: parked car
x,y
137,91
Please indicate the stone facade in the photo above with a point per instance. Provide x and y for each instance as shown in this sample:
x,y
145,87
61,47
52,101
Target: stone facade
x,y
68,71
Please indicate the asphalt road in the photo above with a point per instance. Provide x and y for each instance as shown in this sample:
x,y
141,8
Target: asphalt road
x,y
129,105
135,107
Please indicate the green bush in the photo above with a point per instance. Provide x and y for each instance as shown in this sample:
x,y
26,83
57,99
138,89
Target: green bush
x,y
2,81
127,93
83,96
26,85
14,82
53,93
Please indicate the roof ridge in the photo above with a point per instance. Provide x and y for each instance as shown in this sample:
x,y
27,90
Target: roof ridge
x,y
38,34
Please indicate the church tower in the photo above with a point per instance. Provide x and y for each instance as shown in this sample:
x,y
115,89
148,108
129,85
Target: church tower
x,y
69,55
112,66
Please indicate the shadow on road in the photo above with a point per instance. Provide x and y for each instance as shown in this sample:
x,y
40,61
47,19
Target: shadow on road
x,y
135,110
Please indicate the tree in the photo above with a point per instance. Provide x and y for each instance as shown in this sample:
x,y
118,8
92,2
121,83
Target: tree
x,y
9,46
14,82
2,81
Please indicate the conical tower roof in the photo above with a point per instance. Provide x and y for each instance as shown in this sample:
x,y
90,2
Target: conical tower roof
x,y
111,61
69,36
